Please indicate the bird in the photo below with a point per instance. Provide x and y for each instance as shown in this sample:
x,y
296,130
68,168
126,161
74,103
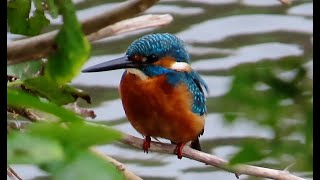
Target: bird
x,y
162,96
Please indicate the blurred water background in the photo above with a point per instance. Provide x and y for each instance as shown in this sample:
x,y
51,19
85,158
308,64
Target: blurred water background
x,y
220,35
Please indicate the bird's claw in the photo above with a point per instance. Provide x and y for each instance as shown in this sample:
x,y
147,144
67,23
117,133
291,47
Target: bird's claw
x,y
146,144
178,150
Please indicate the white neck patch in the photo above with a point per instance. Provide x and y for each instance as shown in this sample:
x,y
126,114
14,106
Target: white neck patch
x,y
138,73
181,66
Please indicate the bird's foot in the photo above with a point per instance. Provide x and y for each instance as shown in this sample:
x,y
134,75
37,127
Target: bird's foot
x,y
178,150
146,144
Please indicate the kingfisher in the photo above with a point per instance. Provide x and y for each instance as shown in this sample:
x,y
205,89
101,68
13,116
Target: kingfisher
x,y
161,94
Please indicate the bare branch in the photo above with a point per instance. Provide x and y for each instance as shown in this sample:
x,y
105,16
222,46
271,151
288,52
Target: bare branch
x,y
209,159
24,113
84,112
121,167
125,10
286,2
141,22
213,160
12,174
40,46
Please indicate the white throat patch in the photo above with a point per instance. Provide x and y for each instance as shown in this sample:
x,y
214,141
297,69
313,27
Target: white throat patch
x,y
138,73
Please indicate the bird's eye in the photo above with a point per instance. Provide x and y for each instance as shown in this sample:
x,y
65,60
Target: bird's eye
x,y
136,58
152,58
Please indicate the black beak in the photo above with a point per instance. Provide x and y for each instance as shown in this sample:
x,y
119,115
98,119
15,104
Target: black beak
x,y
119,63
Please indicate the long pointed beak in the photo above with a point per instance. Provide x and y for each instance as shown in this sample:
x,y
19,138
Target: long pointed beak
x,y
119,63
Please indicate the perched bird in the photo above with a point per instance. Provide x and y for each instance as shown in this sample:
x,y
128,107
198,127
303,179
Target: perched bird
x,y
161,95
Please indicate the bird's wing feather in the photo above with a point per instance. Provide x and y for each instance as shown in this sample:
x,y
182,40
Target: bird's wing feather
x,y
195,83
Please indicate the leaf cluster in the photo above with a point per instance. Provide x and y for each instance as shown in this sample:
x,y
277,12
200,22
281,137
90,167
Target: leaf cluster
x,y
60,144
278,98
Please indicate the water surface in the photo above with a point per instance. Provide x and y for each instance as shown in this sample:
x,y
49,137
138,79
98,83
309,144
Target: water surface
x,y
220,35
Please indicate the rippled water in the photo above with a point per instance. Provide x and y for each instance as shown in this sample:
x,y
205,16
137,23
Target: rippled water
x,y
220,34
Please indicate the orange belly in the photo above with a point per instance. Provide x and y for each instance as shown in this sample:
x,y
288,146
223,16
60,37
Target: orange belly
x,y
157,109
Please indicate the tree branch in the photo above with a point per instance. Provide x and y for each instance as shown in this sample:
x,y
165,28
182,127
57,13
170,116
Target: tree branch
x,y
125,10
12,174
121,167
24,113
286,2
240,169
40,46
212,160
141,22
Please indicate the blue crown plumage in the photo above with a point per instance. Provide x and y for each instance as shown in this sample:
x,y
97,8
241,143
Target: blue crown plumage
x,y
160,45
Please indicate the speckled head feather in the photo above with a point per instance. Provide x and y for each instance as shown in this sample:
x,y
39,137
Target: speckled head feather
x,y
159,45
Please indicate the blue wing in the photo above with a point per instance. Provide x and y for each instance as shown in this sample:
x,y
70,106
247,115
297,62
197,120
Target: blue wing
x,y
192,79
195,84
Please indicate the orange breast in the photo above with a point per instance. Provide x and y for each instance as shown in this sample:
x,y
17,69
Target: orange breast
x,y
157,109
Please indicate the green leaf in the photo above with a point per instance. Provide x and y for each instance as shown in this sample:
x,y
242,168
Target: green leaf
x,y
53,130
21,99
25,70
17,15
39,4
230,117
73,48
248,153
18,18
309,127
47,5
27,149
77,93
50,90
58,94
37,22
80,135
94,134
53,9
95,168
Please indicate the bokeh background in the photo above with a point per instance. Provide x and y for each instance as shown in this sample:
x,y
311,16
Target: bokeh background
x,y
257,59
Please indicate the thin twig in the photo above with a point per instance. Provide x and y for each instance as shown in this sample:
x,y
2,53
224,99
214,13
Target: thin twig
x,y
123,11
42,45
209,159
84,112
286,2
121,167
28,114
12,174
141,22
213,160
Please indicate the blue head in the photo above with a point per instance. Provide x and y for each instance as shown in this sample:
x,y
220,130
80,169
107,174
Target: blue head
x,y
150,52
156,46
160,54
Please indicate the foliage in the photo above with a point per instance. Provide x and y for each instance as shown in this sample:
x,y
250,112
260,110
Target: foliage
x,y
62,149
60,144
73,49
280,99
19,21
